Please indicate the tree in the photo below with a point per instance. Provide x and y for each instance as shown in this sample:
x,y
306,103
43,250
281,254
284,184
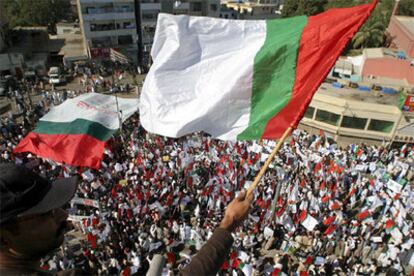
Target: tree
x,y
303,7
289,8
372,33
311,7
406,7
339,4
36,12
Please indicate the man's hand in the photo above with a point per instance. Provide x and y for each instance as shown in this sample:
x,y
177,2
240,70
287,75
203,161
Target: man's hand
x,y
237,211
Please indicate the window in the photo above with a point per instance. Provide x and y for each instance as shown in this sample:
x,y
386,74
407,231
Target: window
x,y
149,16
101,42
197,7
354,122
327,117
124,39
213,7
128,25
102,27
124,8
309,112
381,126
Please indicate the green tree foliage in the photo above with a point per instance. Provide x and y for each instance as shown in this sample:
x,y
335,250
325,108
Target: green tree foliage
x,y
339,4
289,8
372,33
406,7
303,7
35,12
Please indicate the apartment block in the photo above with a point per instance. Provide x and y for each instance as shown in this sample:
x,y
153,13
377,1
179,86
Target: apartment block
x,y
251,10
111,24
106,25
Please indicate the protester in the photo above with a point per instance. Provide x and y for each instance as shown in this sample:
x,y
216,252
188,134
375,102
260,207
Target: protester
x,y
32,222
320,208
217,248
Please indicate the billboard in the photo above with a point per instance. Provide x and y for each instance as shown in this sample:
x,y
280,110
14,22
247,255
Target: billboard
x,y
409,103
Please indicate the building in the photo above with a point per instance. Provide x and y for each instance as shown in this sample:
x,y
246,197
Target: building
x,y
72,49
386,63
151,8
195,7
3,28
30,49
352,116
110,25
106,25
401,29
259,9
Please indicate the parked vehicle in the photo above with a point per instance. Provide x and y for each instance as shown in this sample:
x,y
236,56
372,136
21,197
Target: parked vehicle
x,y
56,76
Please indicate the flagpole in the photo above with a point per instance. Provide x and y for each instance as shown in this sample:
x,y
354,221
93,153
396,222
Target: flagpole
x,y
269,159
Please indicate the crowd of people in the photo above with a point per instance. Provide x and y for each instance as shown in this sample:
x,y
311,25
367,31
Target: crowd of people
x,y
320,209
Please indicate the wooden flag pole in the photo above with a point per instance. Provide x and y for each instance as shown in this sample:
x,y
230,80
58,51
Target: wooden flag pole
x,y
269,159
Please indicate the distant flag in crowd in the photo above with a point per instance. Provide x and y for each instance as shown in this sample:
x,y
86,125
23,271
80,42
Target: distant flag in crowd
x,y
76,131
330,229
241,79
363,215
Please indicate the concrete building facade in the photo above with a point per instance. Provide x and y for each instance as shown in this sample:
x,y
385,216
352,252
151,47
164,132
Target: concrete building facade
x,y
348,121
384,63
401,29
259,9
111,24
106,25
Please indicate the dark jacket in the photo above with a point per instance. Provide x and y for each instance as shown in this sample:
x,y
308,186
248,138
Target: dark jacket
x,y
212,255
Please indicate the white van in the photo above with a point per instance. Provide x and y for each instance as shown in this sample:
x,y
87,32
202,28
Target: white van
x,y
56,76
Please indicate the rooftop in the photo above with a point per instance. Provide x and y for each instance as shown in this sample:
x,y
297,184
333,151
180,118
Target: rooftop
x,y
407,130
407,22
350,94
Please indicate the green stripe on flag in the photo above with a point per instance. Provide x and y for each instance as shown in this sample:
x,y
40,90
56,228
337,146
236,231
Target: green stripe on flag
x,y
78,126
274,73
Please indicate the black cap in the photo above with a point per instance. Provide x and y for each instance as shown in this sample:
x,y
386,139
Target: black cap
x,y
24,192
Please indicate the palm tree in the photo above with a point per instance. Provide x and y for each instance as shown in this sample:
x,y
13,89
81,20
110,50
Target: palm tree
x,y
371,34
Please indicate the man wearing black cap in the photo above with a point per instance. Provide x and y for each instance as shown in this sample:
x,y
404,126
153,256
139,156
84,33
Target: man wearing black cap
x,y
32,222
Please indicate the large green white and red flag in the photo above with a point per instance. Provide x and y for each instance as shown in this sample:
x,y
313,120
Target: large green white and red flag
x,y
240,79
76,131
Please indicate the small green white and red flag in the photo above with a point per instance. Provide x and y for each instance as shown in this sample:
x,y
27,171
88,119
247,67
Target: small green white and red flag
x,y
76,131
241,79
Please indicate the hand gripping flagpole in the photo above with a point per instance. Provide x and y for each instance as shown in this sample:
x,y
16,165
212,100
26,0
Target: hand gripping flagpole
x,y
269,160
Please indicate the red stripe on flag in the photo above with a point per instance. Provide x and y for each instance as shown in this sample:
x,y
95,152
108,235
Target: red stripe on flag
x,y
72,149
323,40
330,229
329,220
389,224
363,215
303,215
325,198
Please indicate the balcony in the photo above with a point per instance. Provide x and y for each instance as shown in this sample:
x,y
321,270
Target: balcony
x,y
150,6
182,6
109,16
195,13
104,1
117,32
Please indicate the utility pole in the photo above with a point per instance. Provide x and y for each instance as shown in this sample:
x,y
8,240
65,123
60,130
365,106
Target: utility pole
x,y
138,24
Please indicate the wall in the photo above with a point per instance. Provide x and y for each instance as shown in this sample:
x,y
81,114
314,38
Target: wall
x,y
389,68
401,36
11,61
